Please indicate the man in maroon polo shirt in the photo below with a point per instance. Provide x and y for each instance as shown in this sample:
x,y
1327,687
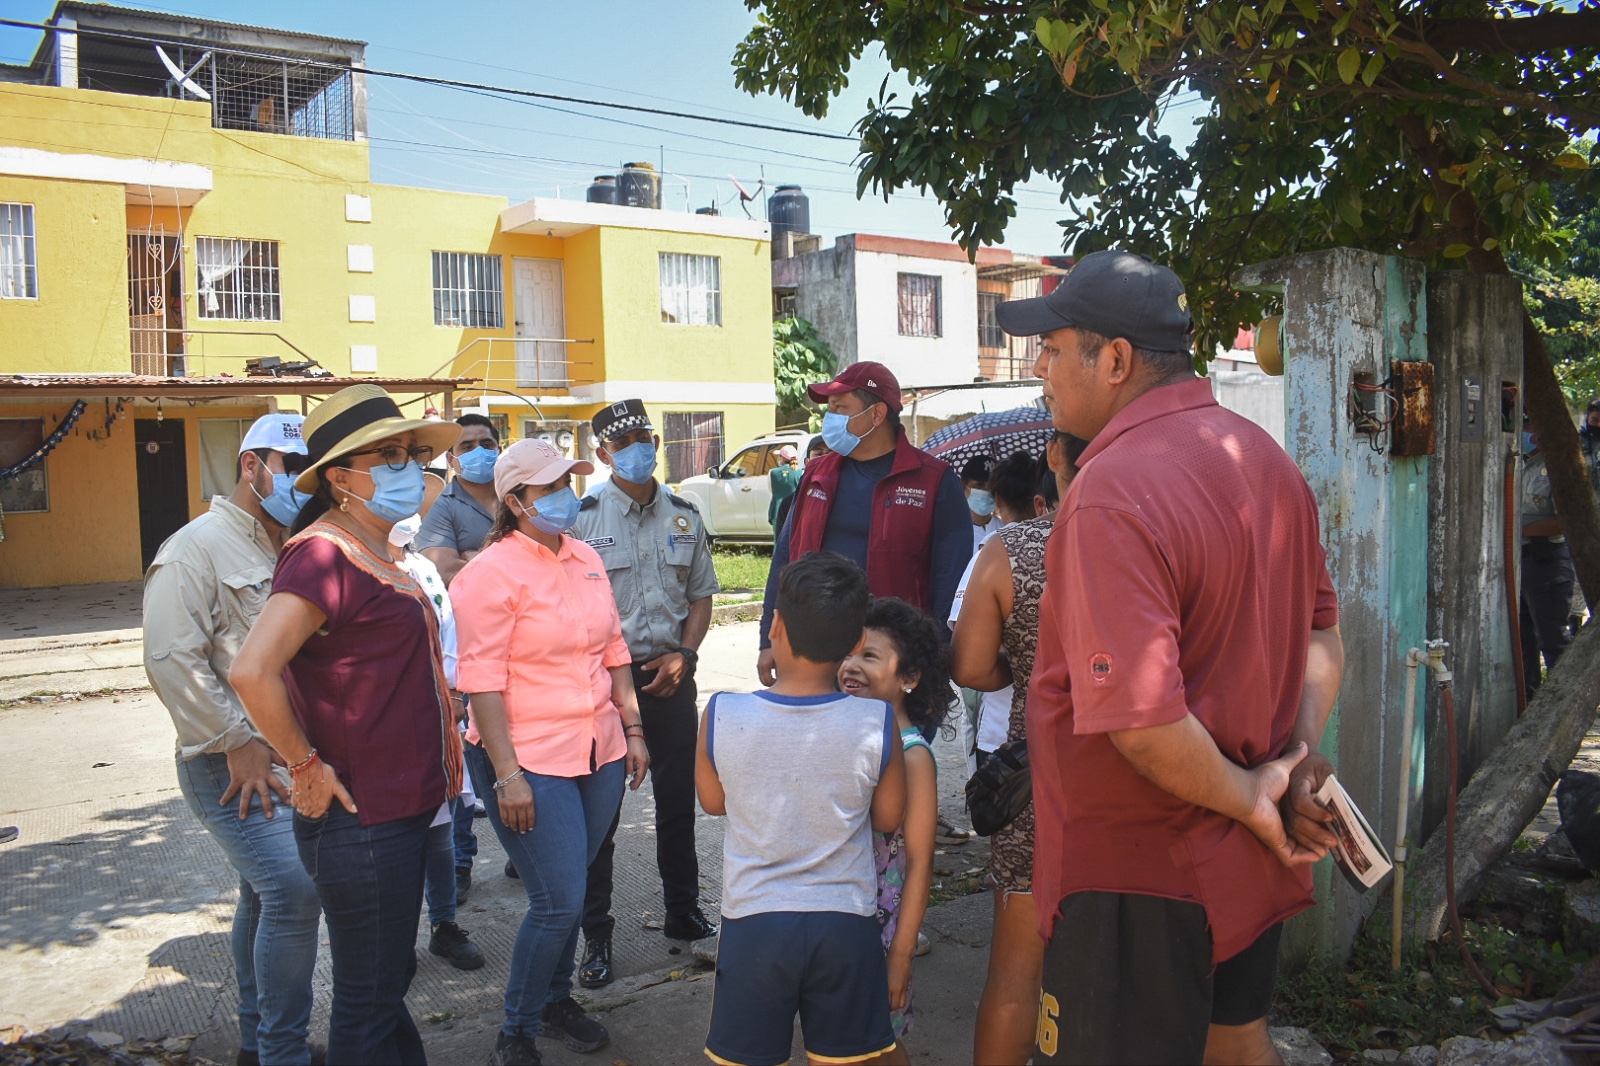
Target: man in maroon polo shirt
x,y
1188,657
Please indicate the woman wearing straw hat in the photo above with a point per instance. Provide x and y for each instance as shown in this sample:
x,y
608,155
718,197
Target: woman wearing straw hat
x,y
554,726
344,676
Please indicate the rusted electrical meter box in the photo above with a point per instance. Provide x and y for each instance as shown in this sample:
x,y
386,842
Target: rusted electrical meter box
x,y
1413,430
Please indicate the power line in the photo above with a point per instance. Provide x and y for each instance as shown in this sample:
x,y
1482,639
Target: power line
x,y
452,83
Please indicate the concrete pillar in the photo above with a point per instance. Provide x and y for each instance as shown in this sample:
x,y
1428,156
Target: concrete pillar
x,y
66,63
1346,315
1474,343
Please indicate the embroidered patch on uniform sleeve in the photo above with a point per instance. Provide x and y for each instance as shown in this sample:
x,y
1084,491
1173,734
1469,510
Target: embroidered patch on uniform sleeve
x,y
1100,667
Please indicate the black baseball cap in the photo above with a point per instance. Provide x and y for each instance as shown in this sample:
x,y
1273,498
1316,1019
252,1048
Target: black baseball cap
x,y
1114,294
624,416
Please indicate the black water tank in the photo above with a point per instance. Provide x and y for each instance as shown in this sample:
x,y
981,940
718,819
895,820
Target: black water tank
x,y
604,189
639,186
789,210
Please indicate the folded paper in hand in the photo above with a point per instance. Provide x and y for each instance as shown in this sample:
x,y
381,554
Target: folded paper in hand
x,y
1359,853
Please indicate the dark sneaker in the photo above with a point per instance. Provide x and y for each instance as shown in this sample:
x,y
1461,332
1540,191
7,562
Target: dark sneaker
x,y
567,1022
690,926
596,969
463,884
515,1051
449,942
511,870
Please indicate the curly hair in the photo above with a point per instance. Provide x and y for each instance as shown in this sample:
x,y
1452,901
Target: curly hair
x,y
921,652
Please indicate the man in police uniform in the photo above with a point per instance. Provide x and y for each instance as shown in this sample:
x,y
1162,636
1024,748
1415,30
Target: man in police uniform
x,y
656,554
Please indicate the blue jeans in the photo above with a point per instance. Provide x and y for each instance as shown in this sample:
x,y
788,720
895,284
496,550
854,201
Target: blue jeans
x,y
465,839
572,815
440,885
275,925
370,881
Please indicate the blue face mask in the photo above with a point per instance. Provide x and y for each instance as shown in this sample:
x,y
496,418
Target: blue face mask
x,y
836,431
981,502
283,506
1527,444
635,463
554,513
397,494
477,466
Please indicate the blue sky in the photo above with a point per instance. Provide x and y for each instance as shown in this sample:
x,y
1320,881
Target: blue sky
x,y
674,56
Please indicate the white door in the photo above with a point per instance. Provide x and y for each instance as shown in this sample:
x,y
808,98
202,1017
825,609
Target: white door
x,y
539,303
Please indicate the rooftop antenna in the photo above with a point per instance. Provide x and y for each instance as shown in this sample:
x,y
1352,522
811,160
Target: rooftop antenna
x,y
185,79
745,197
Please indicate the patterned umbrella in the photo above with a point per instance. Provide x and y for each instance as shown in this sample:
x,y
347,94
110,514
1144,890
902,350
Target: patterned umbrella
x,y
995,434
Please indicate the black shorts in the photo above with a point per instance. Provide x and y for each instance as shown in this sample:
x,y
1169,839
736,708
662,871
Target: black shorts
x,y
1129,979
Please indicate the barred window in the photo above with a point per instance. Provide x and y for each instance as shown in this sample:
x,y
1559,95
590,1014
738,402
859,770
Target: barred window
x,y
238,279
919,305
468,291
19,275
990,335
691,289
693,443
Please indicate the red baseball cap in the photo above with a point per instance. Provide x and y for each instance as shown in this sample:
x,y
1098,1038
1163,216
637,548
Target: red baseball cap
x,y
868,377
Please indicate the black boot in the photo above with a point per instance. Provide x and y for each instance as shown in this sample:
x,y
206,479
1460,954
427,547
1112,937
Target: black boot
x,y
688,926
596,969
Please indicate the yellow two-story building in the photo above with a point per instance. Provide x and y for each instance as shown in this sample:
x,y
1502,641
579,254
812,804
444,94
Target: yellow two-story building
x,y
186,210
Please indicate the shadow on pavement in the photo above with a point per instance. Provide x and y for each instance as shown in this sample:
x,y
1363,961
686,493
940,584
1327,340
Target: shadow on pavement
x,y
124,864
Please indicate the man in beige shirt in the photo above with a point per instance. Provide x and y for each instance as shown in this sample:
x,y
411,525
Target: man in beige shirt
x,y
202,594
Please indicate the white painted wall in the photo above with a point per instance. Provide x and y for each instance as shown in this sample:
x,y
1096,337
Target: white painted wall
x,y
946,359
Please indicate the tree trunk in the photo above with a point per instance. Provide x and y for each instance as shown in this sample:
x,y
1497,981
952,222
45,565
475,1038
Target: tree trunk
x,y
1563,460
1510,788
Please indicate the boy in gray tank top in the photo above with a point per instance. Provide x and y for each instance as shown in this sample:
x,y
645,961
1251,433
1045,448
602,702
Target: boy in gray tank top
x,y
803,774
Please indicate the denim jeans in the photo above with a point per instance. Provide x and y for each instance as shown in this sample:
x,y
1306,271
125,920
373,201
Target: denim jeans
x,y
370,881
275,924
571,815
466,840
440,885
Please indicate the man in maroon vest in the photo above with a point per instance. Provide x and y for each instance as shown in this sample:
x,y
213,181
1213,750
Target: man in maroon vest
x,y
899,513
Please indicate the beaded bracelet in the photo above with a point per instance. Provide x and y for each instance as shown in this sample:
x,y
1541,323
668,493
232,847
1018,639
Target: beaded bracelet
x,y
500,785
305,763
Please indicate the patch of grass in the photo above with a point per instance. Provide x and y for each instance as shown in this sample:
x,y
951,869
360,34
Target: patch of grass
x,y
742,568
1432,998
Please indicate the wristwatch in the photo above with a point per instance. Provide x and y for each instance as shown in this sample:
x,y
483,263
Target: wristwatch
x,y
692,655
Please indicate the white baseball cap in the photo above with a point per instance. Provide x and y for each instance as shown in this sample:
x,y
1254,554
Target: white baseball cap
x,y
281,433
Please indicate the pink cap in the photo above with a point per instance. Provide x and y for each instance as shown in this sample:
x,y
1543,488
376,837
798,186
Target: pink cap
x,y
533,462
788,454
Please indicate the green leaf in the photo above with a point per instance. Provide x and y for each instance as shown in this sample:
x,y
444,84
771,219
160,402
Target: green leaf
x,y
1350,211
1571,161
1490,244
1373,67
1349,65
1457,251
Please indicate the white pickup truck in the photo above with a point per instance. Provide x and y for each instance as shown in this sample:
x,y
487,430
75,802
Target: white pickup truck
x,y
733,497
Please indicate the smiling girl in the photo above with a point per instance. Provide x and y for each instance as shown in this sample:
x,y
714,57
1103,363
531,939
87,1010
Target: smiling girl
x,y
902,661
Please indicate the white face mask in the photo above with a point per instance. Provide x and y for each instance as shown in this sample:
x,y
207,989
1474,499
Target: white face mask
x,y
405,531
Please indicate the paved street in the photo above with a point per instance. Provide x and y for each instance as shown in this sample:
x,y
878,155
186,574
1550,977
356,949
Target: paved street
x,y
115,906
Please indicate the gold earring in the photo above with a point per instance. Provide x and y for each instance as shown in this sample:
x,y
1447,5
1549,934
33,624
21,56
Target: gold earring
x,y
344,504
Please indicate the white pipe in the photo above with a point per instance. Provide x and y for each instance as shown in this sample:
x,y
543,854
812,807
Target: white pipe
x,y
1415,657
1433,659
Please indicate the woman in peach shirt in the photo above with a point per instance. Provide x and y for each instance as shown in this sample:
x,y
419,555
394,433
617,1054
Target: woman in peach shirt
x,y
554,726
